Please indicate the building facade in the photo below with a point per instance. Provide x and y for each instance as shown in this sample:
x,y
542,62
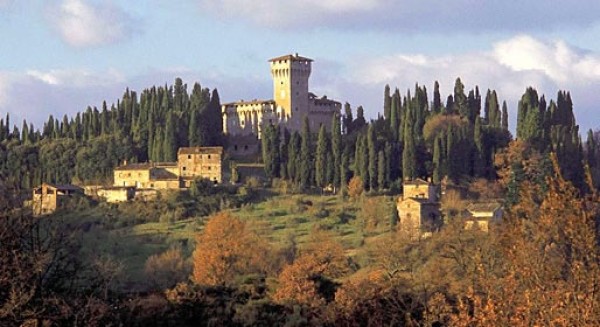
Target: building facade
x,y
291,102
200,162
47,198
419,208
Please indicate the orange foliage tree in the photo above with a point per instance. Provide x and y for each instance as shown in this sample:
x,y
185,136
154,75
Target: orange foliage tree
x,y
226,250
550,267
304,281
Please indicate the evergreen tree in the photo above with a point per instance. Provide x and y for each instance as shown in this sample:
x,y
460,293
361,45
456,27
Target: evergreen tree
x,y
306,158
321,158
437,100
336,150
409,156
372,147
381,170
460,99
283,154
394,119
170,140
294,157
479,163
437,160
347,119
387,105
504,116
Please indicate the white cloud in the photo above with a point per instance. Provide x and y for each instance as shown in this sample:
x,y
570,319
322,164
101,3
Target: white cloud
x,y
35,94
509,67
409,15
6,3
82,23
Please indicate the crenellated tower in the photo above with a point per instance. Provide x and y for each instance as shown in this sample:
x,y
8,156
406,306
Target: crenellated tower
x,y
290,86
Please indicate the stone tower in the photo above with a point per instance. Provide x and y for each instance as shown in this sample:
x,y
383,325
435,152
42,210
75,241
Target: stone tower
x,y
290,87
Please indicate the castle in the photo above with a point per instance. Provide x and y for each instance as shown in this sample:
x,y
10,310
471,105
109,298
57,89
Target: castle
x,y
291,102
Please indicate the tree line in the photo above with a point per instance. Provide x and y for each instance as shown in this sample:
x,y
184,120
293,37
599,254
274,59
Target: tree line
x,y
458,140
150,126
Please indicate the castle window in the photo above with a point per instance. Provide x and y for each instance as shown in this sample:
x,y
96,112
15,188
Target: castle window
x,y
209,167
235,147
209,156
296,108
183,168
189,156
245,147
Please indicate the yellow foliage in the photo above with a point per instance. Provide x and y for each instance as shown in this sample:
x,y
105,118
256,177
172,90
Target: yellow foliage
x,y
355,187
227,249
298,281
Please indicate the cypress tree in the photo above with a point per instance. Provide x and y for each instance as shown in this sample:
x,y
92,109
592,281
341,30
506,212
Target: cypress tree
x,y
460,99
268,154
336,150
294,157
283,154
372,147
321,158
364,163
170,140
504,116
306,158
347,119
437,160
381,170
394,119
437,100
344,171
387,106
409,156
479,163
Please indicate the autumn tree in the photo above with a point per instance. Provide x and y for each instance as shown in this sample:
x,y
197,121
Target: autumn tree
x,y
226,249
309,280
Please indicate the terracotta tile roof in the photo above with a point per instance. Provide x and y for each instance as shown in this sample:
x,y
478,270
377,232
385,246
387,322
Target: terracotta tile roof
x,y
291,57
489,206
62,187
146,165
201,150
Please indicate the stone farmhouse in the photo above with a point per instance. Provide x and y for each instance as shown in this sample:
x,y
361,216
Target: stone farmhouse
x,y
143,180
47,198
420,215
291,103
419,208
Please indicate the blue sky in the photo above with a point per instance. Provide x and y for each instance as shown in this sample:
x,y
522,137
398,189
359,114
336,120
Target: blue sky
x,y
59,56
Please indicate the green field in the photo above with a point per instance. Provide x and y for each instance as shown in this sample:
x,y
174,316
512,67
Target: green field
x,y
130,233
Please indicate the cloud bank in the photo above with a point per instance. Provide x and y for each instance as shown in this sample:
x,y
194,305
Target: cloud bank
x,y
409,15
509,67
83,23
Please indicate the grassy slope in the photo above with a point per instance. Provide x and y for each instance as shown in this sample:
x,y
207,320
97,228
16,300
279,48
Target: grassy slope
x,y
281,218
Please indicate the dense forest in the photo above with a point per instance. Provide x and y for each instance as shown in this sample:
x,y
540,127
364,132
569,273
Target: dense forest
x,y
415,137
287,252
84,149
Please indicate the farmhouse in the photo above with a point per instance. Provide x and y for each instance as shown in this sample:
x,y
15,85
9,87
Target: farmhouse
x,y
47,198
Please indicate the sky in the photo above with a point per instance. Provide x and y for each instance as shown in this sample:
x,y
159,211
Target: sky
x,y
60,56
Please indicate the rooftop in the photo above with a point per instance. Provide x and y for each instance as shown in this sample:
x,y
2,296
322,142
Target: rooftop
x,y
291,57
62,187
201,150
488,206
146,165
